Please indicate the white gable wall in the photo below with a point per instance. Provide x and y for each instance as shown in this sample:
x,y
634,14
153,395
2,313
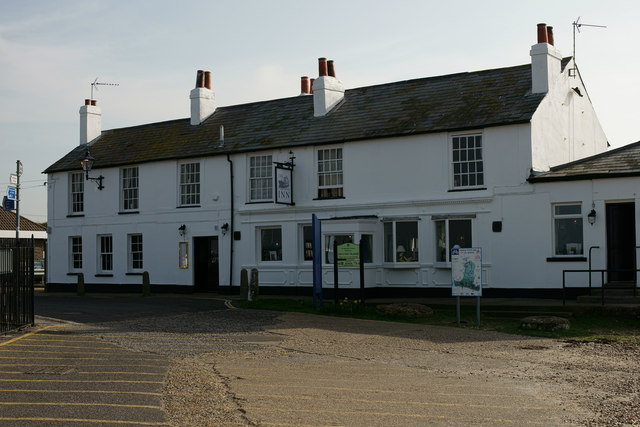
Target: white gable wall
x,y
565,127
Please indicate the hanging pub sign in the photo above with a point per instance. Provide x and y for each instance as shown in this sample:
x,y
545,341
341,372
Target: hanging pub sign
x,y
284,193
284,181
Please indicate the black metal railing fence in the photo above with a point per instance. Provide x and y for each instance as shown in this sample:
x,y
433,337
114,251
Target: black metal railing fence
x,y
16,284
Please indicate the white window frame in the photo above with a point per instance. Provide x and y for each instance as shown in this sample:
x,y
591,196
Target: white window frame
x,y
410,255
135,253
189,179
105,253
577,217
306,246
76,192
75,253
273,255
447,245
129,189
330,173
465,163
260,178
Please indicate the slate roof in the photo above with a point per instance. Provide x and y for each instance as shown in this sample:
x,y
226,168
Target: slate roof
x,y
453,102
620,162
8,222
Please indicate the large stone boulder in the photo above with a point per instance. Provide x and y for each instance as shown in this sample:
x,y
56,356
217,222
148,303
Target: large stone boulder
x,y
545,323
405,309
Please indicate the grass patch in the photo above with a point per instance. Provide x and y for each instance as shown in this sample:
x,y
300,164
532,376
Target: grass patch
x,y
587,324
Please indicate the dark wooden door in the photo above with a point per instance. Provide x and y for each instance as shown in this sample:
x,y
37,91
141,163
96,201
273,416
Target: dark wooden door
x,y
206,270
621,241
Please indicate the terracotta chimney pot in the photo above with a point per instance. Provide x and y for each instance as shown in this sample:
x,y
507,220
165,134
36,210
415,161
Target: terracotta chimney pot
x,y
304,85
311,85
322,67
94,102
207,79
87,102
331,69
542,33
550,36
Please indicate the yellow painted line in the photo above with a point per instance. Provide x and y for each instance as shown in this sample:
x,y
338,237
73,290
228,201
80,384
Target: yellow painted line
x,y
86,373
67,359
78,381
29,334
398,415
101,365
84,420
78,404
393,402
80,391
61,346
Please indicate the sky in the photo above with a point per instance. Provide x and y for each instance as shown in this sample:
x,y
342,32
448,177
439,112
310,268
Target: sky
x,y
51,52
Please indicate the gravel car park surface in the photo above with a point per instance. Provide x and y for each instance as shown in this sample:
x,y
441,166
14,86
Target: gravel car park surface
x,y
241,367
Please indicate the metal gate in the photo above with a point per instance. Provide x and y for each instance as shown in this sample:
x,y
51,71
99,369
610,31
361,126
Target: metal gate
x,y
16,284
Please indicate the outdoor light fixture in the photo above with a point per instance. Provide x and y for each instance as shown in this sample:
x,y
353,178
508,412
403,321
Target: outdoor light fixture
x,y
182,229
592,217
87,164
225,228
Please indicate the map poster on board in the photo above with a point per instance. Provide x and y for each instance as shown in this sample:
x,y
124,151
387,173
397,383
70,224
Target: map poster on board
x,y
466,272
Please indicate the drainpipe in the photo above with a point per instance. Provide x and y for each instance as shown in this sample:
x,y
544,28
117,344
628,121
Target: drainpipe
x,y
231,225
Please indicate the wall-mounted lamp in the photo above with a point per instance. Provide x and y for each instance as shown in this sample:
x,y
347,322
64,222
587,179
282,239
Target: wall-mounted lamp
x,y
225,228
591,217
182,229
87,164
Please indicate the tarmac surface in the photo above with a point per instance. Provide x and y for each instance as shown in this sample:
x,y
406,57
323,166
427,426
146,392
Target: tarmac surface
x,y
194,360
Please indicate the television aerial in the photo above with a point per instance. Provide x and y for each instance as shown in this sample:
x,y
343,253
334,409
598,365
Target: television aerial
x,y
96,83
576,27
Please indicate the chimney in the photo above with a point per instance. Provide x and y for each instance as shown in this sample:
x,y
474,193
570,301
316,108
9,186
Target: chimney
x,y
327,90
545,61
203,102
304,85
90,121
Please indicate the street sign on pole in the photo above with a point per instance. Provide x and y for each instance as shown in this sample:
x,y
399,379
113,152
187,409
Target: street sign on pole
x,y
13,179
11,193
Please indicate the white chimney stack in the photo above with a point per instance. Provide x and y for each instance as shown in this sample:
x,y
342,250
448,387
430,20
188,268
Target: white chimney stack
x,y
90,121
328,91
203,101
545,61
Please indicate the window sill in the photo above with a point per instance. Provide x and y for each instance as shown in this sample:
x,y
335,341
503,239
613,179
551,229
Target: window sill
x,y
187,206
401,265
329,198
258,202
134,274
75,215
443,265
128,212
104,275
457,190
74,274
567,259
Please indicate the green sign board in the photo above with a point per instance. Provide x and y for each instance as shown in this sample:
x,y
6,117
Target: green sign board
x,y
348,255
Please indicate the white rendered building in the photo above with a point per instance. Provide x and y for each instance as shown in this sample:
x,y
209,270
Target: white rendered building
x,y
408,169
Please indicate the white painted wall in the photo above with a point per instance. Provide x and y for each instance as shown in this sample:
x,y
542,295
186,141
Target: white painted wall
x,y
394,177
565,127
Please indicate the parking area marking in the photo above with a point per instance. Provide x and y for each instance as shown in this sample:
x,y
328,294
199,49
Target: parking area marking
x,y
80,381
117,405
84,420
82,391
28,334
